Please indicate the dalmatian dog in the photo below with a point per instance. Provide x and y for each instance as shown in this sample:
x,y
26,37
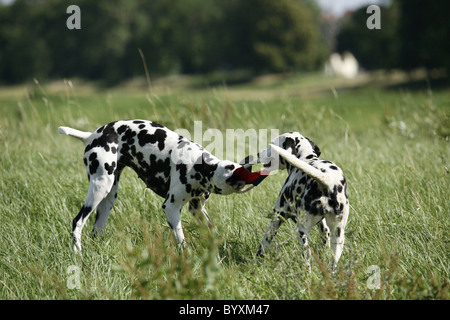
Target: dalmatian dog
x,y
314,192
174,167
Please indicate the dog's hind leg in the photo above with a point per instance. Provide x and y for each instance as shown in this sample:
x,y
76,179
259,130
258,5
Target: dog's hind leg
x,y
105,206
324,233
99,187
305,222
337,225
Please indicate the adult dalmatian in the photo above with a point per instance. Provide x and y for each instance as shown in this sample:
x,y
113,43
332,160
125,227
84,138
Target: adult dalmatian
x,y
174,167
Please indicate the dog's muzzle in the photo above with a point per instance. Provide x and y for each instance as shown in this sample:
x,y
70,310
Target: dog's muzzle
x,y
244,176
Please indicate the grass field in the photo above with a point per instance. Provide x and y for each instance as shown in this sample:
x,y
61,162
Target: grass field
x,y
392,144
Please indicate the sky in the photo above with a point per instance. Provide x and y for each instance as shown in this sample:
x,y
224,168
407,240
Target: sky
x,y
339,7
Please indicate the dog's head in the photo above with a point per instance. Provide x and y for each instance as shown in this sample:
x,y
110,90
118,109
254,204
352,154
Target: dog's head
x,y
300,146
230,178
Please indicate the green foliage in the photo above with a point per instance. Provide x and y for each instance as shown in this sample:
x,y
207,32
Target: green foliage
x,y
374,49
276,35
423,29
176,36
413,34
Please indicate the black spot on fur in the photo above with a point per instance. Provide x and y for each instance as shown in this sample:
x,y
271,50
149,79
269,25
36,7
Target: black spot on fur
x,y
122,129
94,163
156,125
290,143
158,136
128,136
110,168
205,169
312,198
182,169
85,210
108,135
193,204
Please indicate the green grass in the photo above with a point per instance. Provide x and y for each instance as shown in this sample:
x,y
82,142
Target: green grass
x,y
392,145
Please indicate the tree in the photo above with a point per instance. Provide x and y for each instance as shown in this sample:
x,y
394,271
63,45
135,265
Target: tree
x,y
176,36
413,34
424,29
275,35
373,48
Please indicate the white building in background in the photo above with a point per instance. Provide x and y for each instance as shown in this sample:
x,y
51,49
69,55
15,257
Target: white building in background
x,y
344,66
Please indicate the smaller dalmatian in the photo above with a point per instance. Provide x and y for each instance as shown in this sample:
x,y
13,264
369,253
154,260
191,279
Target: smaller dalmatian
x,y
315,191
174,167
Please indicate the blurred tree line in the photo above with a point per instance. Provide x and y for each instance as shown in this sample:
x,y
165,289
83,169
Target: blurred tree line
x,y
414,33
202,36
176,36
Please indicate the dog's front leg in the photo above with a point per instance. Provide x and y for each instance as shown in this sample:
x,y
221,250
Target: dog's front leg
x,y
173,215
270,234
197,208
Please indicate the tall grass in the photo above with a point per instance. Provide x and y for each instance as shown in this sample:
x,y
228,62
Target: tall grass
x,y
395,161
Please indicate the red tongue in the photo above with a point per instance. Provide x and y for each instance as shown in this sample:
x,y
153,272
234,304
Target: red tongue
x,y
251,177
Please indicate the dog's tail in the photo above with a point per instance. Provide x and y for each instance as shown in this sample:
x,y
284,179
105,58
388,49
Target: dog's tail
x,y
314,173
83,136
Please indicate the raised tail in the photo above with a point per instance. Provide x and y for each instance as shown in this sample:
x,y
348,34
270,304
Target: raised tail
x,y
83,136
314,173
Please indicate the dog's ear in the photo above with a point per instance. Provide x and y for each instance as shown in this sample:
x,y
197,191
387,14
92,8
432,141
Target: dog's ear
x,y
315,147
293,145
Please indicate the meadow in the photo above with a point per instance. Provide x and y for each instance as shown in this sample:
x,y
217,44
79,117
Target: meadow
x,y
392,143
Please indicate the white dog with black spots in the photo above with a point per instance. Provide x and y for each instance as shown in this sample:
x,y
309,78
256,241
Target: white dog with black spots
x,y
174,167
314,192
